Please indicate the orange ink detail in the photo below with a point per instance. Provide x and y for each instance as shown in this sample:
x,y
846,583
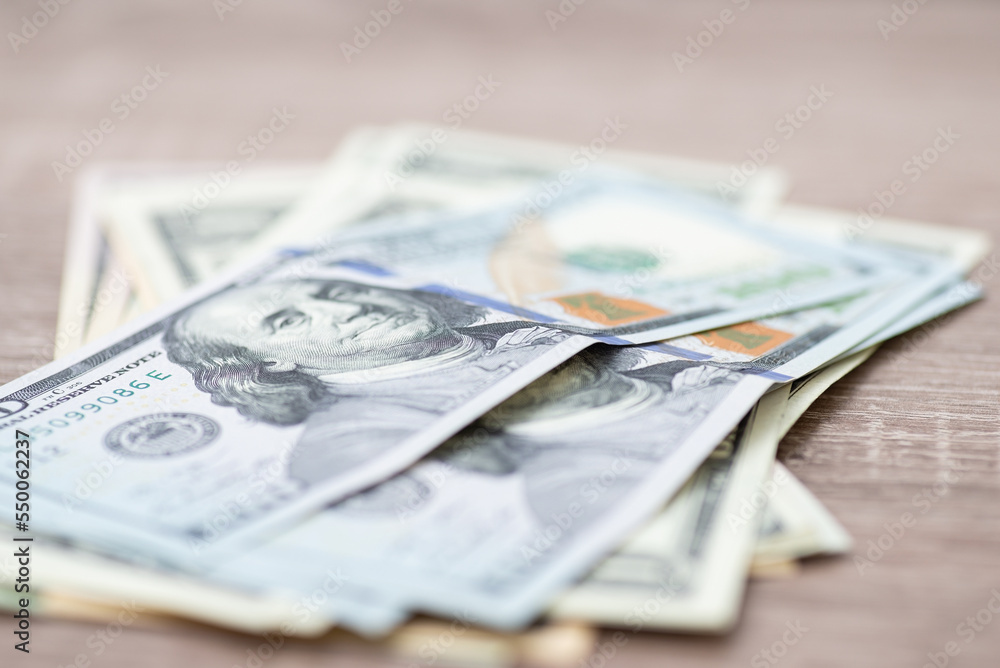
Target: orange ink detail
x,y
750,338
606,310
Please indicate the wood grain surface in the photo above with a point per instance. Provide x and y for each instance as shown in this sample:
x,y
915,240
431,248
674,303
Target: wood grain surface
x,y
923,406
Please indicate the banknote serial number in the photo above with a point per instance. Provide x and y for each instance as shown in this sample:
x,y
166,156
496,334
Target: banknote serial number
x,y
96,406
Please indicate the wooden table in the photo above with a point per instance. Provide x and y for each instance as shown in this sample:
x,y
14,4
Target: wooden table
x,y
924,405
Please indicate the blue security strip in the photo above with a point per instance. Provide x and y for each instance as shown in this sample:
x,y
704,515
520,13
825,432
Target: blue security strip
x,y
770,375
364,267
612,340
293,252
679,352
486,301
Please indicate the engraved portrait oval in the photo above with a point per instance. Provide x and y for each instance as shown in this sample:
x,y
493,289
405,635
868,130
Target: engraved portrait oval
x,y
162,435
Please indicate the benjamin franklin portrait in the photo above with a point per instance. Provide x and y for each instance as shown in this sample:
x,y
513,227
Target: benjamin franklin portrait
x,y
362,366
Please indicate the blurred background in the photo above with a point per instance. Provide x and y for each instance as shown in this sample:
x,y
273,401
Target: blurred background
x,y
711,80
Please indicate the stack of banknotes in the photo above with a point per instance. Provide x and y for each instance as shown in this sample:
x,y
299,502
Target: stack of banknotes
x,y
503,383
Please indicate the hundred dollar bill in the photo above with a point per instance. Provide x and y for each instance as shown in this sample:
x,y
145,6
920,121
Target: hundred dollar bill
x,y
779,348
949,297
507,266
686,569
776,349
468,169
795,524
618,259
235,219
409,168
474,157
75,416
515,507
98,277
257,399
89,577
784,345
964,246
414,162
549,255
746,345
170,246
471,168
94,284
171,235
442,198
553,645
